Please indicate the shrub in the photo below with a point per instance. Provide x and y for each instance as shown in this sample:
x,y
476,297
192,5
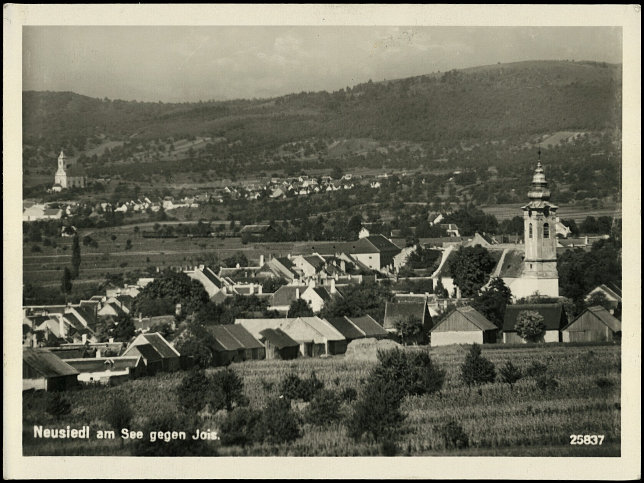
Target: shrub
x,y
278,422
167,423
453,435
377,412
536,369
293,387
477,369
547,383
409,373
193,390
604,383
510,373
324,408
349,394
530,326
58,406
119,414
388,448
226,390
241,427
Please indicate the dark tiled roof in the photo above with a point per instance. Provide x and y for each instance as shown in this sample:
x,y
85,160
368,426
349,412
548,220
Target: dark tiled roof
x,y
46,363
316,261
369,326
243,336
404,310
278,338
381,243
553,315
286,294
160,345
474,316
346,328
147,352
224,338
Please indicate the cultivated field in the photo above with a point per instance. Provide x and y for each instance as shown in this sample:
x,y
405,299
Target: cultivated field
x,y
524,420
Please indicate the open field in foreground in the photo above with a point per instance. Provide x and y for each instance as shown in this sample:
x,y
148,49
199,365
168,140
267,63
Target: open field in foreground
x,y
498,420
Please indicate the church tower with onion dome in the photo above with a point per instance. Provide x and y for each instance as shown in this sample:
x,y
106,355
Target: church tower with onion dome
x,y
540,221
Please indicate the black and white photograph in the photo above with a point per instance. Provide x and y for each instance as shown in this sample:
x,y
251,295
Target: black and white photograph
x,y
403,233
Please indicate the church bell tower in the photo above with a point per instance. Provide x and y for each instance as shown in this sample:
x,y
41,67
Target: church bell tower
x,y
539,220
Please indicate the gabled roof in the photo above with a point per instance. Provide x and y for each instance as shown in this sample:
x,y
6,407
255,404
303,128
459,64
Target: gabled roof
x,y
381,243
473,316
224,338
603,315
147,352
278,338
512,264
161,345
286,294
404,310
46,363
368,325
553,315
243,336
323,293
345,327
321,326
316,261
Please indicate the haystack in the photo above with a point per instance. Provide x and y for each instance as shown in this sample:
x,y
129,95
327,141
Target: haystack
x,y
367,349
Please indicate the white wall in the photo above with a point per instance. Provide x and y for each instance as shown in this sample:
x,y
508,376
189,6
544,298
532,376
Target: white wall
x,y
456,337
525,287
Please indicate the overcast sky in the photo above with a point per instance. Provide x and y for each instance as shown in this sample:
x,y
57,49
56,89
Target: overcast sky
x,y
176,64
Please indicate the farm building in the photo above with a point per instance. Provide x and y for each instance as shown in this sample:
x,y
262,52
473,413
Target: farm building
x,y
613,293
554,318
464,325
233,343
369,327
151,358
253,349
395,312
168,354
279,345
594,324
43,370
107,370
346,328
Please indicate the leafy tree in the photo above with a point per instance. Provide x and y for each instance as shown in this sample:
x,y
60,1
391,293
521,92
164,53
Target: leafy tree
x,y
470,267
409,329
241,427
493,300
278,423
176,287
120,328
66,282
377,411
300,308
76,256
323,409
196,342
293,387
510,373
193,390
530,326
366,298
227,390
599,298
477,369
424,258
410,373
119,414
440,290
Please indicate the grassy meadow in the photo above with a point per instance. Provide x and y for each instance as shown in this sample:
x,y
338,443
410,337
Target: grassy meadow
x,y
499,420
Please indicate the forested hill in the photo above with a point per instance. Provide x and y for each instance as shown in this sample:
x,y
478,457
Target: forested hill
x,y
503,101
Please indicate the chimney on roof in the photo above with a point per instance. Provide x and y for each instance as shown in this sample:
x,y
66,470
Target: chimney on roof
x,y
259,289
84,338
34,340
61,327
297,293
111,340
332,290
261,260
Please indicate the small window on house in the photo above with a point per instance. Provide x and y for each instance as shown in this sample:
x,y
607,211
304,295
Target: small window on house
x,y
546,230
530,231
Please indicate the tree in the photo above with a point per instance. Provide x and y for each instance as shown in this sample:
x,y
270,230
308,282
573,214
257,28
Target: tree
x,y
377,412
493,300
323,409
58,405
120,328
470,268
193,390
119,414
510,373
66,282
530,326
300,308
367,298
178,288
409,329
226,390
477,369
410,373
241,427
278,423
76,257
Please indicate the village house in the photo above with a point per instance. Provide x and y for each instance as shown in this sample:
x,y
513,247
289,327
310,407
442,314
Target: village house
x,y
318,296
44,370
233,343
554,319
400,311
167,354
108,371
284,296
611,291
464,325
595,324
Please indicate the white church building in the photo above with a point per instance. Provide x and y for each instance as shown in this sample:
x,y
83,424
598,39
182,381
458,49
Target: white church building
x,y
69,174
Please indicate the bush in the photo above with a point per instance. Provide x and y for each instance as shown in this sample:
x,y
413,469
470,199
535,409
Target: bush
x,y
349,394
409,373
604,383
547,383
293,387
241,427
388,448
510,373
530,326
536,369
477,369
377,412
193,390
167,423
226,390
278,423
453,435
58,406
119,414
324,408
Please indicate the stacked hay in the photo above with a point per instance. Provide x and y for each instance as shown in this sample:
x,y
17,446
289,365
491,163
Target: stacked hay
x,y
367,349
